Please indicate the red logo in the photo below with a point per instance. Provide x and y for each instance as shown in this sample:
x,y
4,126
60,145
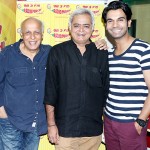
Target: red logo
x,y
0,29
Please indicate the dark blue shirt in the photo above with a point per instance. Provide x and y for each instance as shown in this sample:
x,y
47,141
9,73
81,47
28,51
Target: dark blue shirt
x,y
22,83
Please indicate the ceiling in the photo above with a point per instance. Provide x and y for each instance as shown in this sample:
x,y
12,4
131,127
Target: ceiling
x,y
136,2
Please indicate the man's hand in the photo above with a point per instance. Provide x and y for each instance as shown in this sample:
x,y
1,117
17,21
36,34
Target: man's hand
x,y
138,128
101,44
53,135
3,112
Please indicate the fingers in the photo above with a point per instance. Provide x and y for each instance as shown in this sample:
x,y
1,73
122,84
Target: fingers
x,y
101,44
53,135
57,137
138,128
53,139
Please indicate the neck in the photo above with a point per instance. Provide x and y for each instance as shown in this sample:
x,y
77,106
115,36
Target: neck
x,y
123,44
29,53
81,46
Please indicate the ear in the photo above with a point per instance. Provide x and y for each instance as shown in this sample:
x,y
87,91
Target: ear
x,y
105,26
129,23
21,35
42,36
69,27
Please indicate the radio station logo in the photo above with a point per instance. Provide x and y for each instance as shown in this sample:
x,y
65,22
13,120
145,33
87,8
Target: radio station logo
x,y
59,33
97,10
30,8
59,9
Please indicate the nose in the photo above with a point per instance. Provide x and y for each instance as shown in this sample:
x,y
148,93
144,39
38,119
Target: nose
x,y
115,24
32,35
81,28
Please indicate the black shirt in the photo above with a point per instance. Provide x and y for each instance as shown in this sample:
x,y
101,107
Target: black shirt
x,y
77,87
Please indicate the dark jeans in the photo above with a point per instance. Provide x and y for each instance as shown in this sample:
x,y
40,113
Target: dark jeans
x,y
123,136
13,139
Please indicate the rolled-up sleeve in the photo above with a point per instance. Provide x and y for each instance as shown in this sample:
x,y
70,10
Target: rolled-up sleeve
x,y
51,81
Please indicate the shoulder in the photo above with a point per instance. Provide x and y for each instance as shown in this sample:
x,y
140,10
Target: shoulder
x,y
101,54
141,44
45,48
8,49
62,45
60,48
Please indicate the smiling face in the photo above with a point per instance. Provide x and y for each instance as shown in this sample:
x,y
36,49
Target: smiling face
x,y
81,29
117,24
32,35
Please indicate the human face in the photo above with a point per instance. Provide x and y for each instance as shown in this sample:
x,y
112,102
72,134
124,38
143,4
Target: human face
x,y
32,34
117,24
81,29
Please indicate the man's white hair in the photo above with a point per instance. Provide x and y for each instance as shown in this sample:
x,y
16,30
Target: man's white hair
x,y
81,11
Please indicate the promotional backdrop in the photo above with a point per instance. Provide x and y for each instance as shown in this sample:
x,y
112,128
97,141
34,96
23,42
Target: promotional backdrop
x,y
7,17
55,18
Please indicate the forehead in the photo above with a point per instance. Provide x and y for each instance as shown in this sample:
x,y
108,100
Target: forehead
x,y
82,18
115,14
31,24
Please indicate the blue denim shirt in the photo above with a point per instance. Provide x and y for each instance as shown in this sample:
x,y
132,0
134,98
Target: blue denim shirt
x,y
22,83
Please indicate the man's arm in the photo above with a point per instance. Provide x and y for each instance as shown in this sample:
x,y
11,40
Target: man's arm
x,y
53,135
105,75
146,108
51,84
2,82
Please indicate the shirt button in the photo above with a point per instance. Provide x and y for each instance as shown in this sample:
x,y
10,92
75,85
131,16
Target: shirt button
x,y
37,113
35,79
37,90
33,67
37,101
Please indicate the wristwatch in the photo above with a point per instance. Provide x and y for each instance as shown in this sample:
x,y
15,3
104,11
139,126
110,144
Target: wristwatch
x,y
141,122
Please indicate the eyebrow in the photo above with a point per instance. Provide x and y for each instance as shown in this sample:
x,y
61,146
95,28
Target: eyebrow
x,y
117,18
81,24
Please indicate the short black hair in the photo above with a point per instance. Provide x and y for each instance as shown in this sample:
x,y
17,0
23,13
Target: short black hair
x,y
114,5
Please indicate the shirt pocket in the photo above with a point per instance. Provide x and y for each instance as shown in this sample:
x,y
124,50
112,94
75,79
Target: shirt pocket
x,y
20,76
42,71
94,77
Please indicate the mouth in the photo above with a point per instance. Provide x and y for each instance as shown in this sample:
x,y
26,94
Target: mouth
x,y
81,35
32,43
116,31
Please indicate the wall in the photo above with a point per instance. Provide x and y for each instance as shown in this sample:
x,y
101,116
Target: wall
x,y
142,15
